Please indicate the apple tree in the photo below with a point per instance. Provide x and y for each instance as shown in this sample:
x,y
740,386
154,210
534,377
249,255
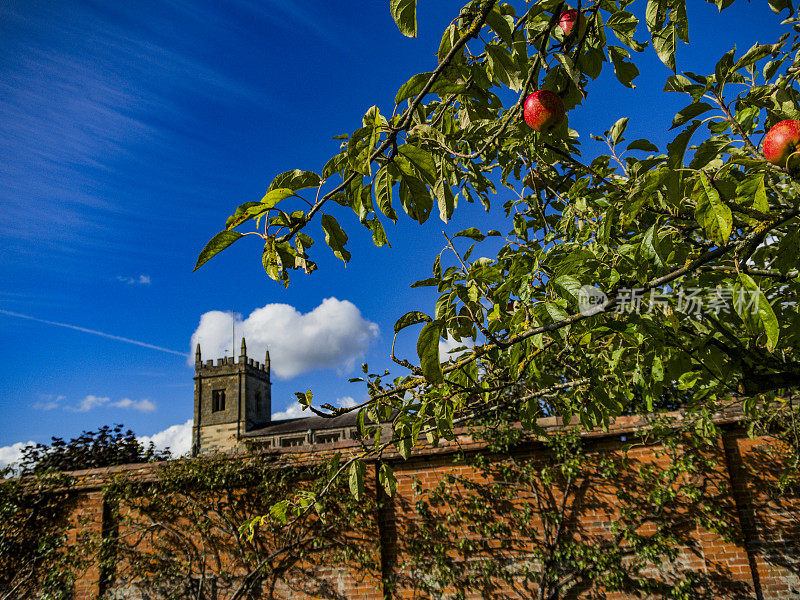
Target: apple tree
x,y
622,279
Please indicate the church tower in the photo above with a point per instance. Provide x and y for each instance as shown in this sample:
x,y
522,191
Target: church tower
x,y
230,398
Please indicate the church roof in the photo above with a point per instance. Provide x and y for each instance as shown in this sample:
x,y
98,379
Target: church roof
x,y
314,423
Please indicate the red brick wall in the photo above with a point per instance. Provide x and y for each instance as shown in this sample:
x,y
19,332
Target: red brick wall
x,y
762,562
86,521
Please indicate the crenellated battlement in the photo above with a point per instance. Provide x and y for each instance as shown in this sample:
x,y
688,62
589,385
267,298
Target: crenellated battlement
x,y
230,361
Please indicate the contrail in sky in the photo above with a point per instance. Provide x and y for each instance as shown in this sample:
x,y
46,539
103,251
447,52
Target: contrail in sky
x,y
92,331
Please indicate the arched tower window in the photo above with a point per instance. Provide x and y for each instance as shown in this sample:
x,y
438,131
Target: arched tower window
x,y
217,400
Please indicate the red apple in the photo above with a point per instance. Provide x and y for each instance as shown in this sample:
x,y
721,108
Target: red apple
x,y
781,141
544,110
568,19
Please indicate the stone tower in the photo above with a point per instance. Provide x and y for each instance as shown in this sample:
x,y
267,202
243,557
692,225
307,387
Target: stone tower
x,y
230,398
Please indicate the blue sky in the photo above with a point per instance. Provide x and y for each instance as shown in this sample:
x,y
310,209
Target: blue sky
x,y
129,131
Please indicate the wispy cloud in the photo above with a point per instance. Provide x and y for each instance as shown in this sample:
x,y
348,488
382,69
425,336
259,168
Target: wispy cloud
x,y
292,15
140,280
91,331
91,402
143,405
108,88
49,402
88,403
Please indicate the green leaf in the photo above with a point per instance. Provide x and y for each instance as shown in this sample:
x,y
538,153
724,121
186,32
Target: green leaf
x,y
428,352
445,199
712,213
295,180
305,398
422,161
617,129
751,192
623,24
625,71
335,237
644,145
413,86
411,318
501,65
497,21
664,43
655,15
724,66
357,471
788,250
650,247
415,198
681,21
217,244
558,314
690,112
403,441
754,54
778,5
272,263
708,150
569,68
676,149
278,511
387,479
472,233
244,212
383,193
404,13
678,83
275,195
378,232
568,287
753,307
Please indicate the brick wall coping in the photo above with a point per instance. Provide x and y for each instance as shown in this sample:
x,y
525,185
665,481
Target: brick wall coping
x,y
88,479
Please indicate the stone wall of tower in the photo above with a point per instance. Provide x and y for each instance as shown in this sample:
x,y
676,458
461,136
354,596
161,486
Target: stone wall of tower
x,y
246,387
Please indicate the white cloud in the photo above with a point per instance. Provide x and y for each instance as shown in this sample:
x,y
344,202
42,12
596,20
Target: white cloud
x,y
49,402
11,454
345,402
143,405
178,438
333,335
448,345
296,411
141,280
89,403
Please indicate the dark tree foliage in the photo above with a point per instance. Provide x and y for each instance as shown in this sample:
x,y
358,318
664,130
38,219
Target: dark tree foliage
x,y
34,559
105,447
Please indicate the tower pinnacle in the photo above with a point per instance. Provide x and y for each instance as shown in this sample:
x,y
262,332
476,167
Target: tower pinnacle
x,y
243,351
